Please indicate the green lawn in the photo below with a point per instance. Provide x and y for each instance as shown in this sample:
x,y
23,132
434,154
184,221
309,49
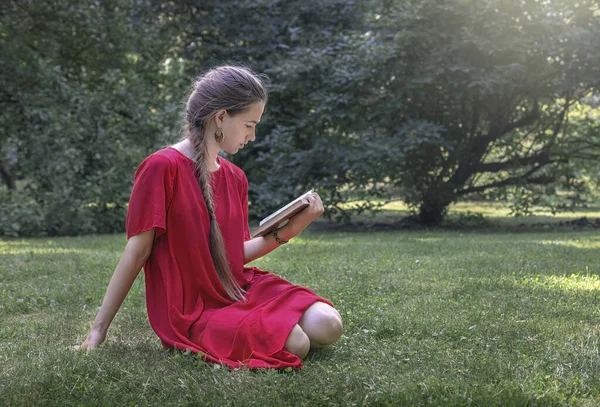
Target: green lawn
x,y
431,318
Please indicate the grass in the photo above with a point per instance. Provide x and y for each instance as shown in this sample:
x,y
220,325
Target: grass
x,y
432,318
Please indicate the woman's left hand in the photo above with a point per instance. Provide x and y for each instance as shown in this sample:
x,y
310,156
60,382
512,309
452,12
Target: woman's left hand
x,y
299,222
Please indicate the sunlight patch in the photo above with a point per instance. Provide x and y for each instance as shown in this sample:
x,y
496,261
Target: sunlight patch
x,y
311,241
41,250
429,239
579,244
576,282
6,244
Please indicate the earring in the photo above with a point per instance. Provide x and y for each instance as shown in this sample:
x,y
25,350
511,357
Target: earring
x,y
219,136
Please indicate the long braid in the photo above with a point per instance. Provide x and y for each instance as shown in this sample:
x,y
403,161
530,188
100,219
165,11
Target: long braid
x,y
228,88
216,244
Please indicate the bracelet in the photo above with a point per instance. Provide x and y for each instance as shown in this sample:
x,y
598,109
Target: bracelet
x,y
278,239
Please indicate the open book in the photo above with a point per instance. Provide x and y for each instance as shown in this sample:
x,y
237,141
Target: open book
x,y
281,216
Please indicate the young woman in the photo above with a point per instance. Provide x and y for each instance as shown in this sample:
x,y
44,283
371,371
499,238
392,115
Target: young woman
x,y
187,226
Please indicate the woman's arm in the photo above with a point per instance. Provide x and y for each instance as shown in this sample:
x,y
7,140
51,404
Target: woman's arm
x,y
259,246
134,256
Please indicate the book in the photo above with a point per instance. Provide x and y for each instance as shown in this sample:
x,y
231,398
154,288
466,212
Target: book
x,y
281,216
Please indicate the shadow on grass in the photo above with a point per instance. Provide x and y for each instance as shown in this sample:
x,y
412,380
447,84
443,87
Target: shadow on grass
x,y
393,220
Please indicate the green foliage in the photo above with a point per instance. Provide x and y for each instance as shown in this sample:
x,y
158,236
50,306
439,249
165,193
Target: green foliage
x,y
498,81
20,215
434,102
304,138
81,106
430,102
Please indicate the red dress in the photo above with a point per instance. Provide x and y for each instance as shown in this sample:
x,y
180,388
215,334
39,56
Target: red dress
x,y
188,307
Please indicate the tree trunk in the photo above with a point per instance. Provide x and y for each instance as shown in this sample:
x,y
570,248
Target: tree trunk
x,y
431,213
8,179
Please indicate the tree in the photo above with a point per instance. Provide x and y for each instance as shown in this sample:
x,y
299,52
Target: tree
x,y
476,95
80,106
432,101
428,101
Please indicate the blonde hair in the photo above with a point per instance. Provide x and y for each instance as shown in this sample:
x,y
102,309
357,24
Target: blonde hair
x,y
233,89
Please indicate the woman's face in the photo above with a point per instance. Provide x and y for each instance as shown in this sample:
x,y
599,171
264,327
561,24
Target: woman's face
x,y
240,129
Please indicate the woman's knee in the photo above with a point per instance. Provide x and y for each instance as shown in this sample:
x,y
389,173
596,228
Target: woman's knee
x,y
298,342
332,326
322,323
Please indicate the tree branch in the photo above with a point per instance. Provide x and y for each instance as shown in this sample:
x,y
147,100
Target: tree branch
x,y
584,156
509,181
124,114
542,158
583,145
526,120
8,179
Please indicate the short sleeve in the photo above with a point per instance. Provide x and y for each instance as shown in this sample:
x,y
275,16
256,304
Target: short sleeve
x,y
150,197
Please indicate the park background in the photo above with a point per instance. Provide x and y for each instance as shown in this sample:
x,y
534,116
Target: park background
x,y
455,145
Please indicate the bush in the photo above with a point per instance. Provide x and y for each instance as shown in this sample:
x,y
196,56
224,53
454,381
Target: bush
x,y
20,215
23,216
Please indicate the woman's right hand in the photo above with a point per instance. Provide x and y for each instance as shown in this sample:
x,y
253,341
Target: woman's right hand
x,y
94,339
135,255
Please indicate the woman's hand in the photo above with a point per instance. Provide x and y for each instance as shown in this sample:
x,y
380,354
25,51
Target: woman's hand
x,y
299,222
94,339
259,246
134,256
